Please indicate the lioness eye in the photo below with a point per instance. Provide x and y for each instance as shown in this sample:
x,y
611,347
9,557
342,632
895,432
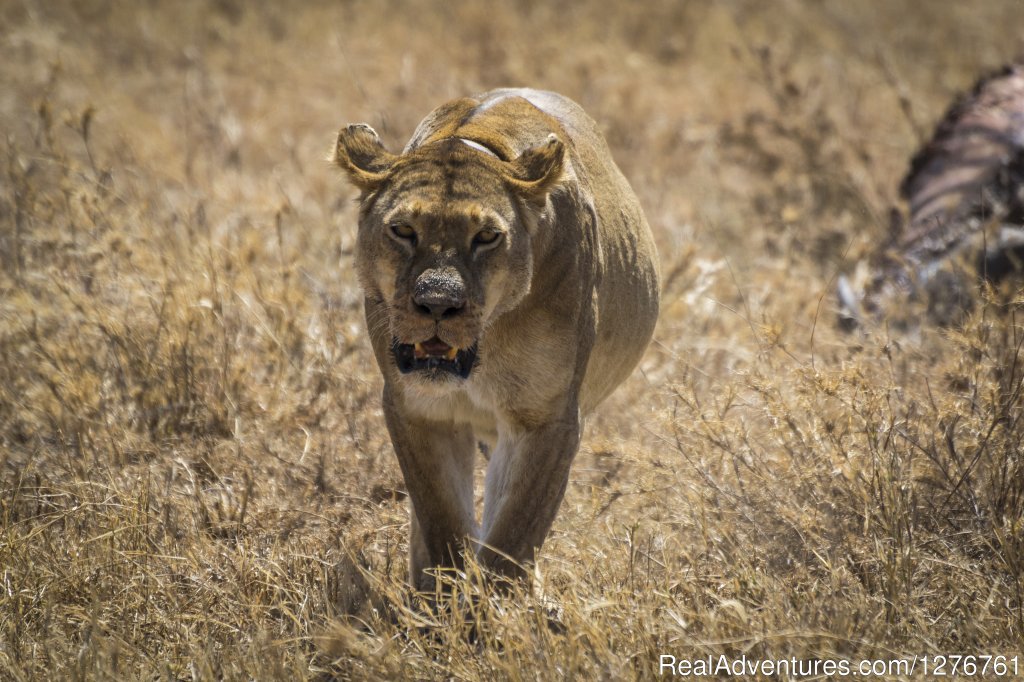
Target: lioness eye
x,y
485,237
403,231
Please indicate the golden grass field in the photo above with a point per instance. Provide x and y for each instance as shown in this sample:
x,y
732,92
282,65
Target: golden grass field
x,y
195,478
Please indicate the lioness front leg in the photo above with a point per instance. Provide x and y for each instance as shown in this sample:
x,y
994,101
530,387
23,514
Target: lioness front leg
x,y
526,480
437,464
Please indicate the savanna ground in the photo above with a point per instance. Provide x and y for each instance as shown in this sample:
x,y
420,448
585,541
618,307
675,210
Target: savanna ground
x,y
195,478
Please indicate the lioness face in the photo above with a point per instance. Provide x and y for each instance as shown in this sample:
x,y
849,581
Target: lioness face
x,y
444,244
445,257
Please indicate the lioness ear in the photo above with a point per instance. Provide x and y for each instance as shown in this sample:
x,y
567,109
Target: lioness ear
x,y
538,170
361,155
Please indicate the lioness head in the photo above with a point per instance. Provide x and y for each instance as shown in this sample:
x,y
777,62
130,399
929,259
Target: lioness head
x,y
444,242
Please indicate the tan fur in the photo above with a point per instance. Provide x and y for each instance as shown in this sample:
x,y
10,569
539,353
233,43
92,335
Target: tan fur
x,y
561,308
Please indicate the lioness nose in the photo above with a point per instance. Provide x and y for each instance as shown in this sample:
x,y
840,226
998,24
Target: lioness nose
x,y
439,294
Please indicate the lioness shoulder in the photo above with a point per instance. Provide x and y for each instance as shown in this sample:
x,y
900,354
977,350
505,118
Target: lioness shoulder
x,y
511,283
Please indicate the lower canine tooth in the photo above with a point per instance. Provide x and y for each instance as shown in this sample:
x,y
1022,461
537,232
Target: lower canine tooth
x,y
452,352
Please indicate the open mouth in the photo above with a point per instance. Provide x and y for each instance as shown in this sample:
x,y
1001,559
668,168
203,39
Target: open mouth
x,y
434,355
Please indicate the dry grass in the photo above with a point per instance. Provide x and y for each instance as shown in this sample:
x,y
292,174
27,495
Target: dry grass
x,y
195,480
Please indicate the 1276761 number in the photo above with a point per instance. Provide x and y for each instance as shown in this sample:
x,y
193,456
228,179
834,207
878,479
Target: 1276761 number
x,y
970,665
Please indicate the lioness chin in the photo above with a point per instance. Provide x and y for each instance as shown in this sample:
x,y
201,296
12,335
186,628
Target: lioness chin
x,y
511,283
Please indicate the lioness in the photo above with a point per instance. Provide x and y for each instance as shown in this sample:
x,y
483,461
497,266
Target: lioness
x,y
511,283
